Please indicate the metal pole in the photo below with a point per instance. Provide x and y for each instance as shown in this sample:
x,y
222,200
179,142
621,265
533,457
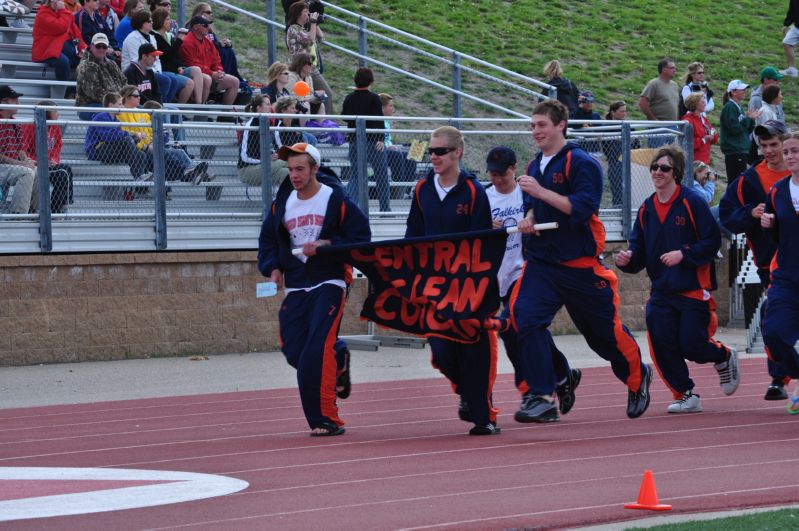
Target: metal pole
x,y
181,11
43,179
265,141
456,85
271,44
361,173
688,147
159,188
362,44
626,178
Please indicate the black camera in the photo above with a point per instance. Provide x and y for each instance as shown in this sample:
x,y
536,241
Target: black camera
x,y
315,6
696,87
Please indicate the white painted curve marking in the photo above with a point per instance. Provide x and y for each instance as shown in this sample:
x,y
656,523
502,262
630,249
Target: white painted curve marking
x,y
180,487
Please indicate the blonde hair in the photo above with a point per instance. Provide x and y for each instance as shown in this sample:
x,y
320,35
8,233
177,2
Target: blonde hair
x,y
452,134
385,98
553,70
275,70
693,99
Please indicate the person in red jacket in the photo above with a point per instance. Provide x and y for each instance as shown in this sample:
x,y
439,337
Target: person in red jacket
x,y
56,39
198,51
704,134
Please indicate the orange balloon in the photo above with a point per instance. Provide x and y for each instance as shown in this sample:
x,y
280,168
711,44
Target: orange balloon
x,y
302,89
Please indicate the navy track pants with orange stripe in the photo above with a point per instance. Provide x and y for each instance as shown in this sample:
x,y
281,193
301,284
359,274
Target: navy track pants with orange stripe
x,y
780,330
472,370
591,298
309,323
680,328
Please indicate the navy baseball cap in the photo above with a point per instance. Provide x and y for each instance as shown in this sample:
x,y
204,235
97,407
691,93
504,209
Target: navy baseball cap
x,y
500,159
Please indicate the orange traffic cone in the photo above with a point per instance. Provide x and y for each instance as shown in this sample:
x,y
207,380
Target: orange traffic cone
x,y
648,496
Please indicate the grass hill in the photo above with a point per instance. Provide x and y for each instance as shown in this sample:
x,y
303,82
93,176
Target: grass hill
x,y
608,46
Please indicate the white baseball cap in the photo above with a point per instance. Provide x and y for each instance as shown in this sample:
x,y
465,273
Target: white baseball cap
x,y
300,147
736,84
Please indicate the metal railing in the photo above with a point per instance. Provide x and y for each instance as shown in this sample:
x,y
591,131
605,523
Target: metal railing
x,y
456,62
378,175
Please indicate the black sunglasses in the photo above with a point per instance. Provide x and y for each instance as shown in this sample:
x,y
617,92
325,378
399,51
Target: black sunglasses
x,y
665,168
440,151
101,46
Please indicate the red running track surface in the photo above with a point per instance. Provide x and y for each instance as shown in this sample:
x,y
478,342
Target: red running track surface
x,y
407,463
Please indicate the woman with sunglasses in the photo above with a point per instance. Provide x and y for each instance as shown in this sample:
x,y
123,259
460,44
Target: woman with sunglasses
x,y
676,239
277,80
781,220
300,70
695,83
448,200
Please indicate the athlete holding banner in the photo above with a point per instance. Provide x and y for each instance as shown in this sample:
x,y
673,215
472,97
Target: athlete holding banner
x,y
564,184
447,201
507,209
307,214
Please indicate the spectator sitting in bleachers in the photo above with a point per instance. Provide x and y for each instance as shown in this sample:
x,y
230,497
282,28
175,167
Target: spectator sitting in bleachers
x,y
300,70
124,27
277,78
90,21
198,51
227,55
288,105
402,169
111,145
249,164
171,61
299,40
97,76
60,174
56,39
178,165
110,14
172,26
16,169
140,74
170,83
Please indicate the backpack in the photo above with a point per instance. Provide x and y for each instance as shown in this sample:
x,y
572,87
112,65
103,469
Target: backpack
x,y
335,138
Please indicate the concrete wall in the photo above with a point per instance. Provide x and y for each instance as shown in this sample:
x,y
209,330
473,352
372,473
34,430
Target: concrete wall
x,y
59,308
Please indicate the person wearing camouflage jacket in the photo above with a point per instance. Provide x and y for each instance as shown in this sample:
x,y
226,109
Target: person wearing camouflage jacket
x,y
97,75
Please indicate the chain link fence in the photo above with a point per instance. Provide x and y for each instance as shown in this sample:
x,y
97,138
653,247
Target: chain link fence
x,y
166,164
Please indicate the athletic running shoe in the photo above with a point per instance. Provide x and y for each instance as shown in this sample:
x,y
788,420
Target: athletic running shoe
x,y
729,376
566,390
463,411
689,403
790,71
776,391
638,401
489,429
196,173
145,176
536,408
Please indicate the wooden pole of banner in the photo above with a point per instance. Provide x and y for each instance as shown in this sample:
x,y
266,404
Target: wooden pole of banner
x,y
372,341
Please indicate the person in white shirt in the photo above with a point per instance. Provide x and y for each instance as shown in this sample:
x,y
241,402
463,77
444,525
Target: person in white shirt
x,y
507,209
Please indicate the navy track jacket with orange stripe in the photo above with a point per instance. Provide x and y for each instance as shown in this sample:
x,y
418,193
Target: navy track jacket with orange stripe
x,y
689,226
464,209
344,223
785,265
575,174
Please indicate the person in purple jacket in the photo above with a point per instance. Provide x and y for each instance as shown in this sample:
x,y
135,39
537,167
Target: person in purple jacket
x,y
113,145
564,185
448,200
676,238
309,212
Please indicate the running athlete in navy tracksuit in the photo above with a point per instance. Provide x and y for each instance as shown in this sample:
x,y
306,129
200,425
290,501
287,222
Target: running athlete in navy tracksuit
x,y
447,201
563,268
507,209
311,311
780,330
676,238
740,210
